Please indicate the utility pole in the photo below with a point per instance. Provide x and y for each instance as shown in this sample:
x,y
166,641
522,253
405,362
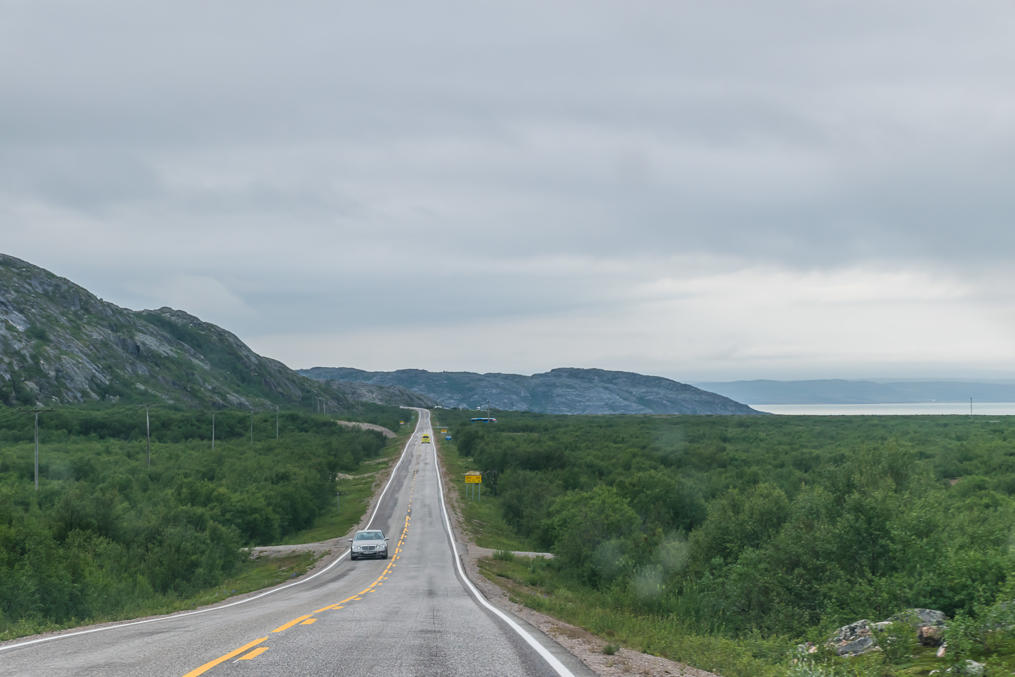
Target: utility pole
x,y
36,450
148,435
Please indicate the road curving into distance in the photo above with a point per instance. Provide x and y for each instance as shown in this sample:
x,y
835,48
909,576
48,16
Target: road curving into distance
x,y
413,614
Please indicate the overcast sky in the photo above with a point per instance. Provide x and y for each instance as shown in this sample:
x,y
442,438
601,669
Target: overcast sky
x,y
699,190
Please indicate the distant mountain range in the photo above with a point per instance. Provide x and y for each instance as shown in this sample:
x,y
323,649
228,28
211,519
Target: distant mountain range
x,y
559,391
60,344
837,391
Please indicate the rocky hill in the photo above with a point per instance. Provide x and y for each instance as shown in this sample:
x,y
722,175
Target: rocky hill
x,y
559,391
61,344
380,394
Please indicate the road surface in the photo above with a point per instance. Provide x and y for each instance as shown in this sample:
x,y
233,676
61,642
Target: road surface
x,y
412,614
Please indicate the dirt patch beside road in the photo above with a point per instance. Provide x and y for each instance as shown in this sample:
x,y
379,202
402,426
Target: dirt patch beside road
x,y
387,432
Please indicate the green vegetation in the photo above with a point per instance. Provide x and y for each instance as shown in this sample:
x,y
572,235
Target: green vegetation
x,y
483,518
106,536
724,541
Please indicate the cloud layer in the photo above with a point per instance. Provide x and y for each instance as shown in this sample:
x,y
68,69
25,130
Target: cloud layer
x,y
698,190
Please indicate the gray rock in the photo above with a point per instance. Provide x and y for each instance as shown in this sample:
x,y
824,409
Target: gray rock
x,y
921,617
60,343
929,624
971,669
854,639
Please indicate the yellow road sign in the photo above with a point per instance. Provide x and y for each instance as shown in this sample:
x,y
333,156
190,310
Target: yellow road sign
x,y
474,477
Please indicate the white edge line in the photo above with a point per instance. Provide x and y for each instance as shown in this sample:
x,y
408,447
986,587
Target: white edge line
x,y
532,642
127,624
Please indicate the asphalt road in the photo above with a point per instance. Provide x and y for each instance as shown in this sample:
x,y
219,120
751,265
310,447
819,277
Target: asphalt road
x,y
412,614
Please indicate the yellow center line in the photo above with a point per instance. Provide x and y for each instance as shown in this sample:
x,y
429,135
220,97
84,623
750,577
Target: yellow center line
x,y
304,620
253,654
291,623
222,659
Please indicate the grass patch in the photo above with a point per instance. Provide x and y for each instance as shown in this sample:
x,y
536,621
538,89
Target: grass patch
x,y
255,574
482,516
535,585
251,575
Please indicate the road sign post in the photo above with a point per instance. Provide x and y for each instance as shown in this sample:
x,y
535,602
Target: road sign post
x,y
474,484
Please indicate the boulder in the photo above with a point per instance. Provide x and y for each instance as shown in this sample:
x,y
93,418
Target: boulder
x,y
929,624
970,668
858,638
922,617
854,639
930,635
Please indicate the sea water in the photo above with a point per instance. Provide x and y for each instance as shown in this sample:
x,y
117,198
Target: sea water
x,y
892,409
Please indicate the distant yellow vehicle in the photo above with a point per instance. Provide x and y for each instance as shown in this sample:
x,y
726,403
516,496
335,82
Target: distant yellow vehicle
x,y
426,439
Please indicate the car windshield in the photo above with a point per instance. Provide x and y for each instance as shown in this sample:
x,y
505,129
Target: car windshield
x,y
369,536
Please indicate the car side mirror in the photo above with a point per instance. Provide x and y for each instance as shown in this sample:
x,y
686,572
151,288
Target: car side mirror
x,y
387,539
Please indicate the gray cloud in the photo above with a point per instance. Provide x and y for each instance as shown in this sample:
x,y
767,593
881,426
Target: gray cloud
x,y
321,164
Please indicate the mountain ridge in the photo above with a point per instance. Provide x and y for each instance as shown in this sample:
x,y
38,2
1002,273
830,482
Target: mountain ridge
x,y
61,344
564,390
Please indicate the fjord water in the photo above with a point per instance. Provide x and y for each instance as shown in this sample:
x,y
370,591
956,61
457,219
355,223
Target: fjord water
x,y
891,409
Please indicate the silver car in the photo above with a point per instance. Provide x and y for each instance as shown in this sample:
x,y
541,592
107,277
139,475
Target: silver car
x,y
369,543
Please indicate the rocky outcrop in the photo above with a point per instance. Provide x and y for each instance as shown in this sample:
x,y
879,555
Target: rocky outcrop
x,y
969,668
929,624
60,344
559,391
854,639
378,394
860,637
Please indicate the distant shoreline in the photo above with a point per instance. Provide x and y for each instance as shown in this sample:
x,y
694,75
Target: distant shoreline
x,y
891,409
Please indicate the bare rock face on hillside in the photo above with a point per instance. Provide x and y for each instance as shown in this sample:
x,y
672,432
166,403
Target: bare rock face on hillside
x,y
61,344
559,391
